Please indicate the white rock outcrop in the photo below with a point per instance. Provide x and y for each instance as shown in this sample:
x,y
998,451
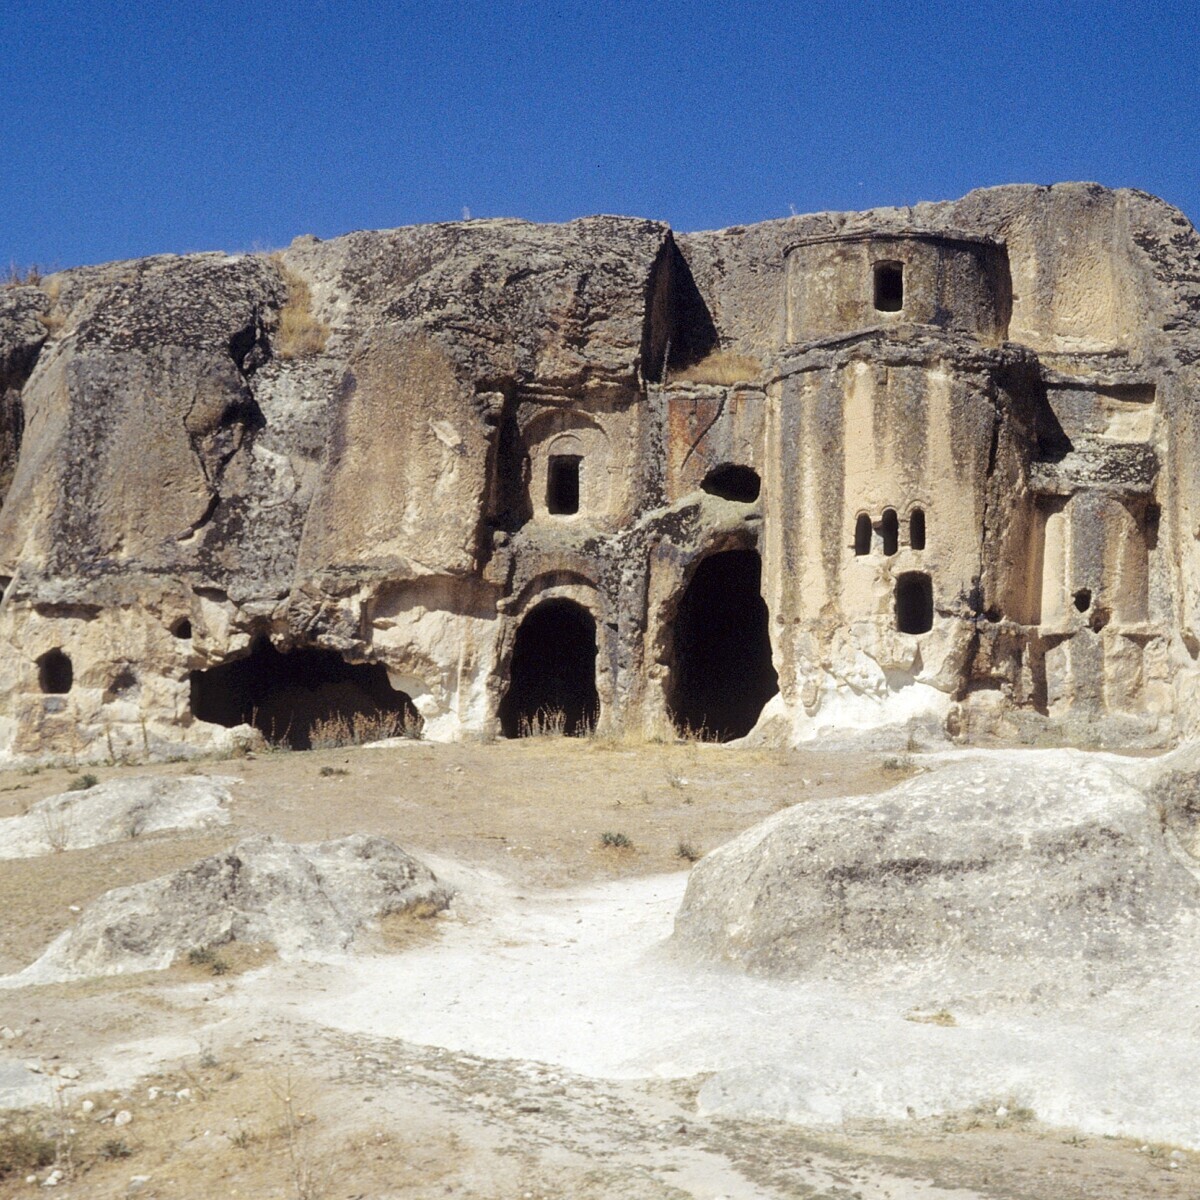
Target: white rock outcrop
x,y
300,899
115,811
1023,875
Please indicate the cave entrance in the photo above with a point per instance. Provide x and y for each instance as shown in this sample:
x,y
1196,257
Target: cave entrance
x,y
302,698
731,481
722,673
552,680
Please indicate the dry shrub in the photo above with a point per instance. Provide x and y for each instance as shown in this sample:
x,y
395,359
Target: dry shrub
x,y
25,1148
689,733
300,333
721,366
311,1175
56,827
330,733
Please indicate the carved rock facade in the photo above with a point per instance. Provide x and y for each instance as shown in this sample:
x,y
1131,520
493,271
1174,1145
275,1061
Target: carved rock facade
x,y
838,470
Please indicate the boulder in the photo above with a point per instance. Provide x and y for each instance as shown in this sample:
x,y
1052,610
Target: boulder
x,y
115,811
1176,796
1015,873
300,899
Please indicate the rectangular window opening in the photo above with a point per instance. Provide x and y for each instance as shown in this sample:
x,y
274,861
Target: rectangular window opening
x,y
889,286
562,484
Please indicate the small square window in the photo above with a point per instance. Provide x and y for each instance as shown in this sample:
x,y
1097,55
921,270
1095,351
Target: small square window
x,y
889,286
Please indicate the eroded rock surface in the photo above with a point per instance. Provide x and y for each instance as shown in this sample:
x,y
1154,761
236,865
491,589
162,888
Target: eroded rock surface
x,y
1020,875
299,899
960,439
115,811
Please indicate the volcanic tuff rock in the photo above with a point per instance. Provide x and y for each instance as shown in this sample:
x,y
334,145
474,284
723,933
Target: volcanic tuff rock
x,y
115,811
299,899
950,447
1020,874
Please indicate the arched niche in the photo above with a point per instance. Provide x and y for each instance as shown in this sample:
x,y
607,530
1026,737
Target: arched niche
x,y
569,459
1096,559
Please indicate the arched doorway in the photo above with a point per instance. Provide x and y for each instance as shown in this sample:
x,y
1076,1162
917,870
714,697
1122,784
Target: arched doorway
x,y
553,672
722,673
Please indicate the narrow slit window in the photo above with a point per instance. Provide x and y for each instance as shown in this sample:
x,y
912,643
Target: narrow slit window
x,y
862,535
916,529
562,484
889,286
889,527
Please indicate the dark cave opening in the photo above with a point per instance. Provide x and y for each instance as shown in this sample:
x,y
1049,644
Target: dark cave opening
x,y
914,602
553,672
722,674
292,698
733,482
56,675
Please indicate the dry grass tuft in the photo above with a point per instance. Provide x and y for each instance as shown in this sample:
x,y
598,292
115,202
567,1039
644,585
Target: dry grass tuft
x,y
55,319
722,367
301,334
25,1148
310,1174
18,276
546,722
331,733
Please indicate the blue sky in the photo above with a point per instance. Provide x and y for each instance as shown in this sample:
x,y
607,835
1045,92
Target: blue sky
x,y
134,128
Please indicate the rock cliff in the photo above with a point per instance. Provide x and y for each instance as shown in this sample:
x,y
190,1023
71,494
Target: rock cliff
x,y
928,464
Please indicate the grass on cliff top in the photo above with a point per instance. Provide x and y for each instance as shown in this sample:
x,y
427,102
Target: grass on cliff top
x,y
721,367
300,334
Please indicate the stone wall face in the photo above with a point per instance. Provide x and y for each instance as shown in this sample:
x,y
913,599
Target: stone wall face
x,y
960,438
845,283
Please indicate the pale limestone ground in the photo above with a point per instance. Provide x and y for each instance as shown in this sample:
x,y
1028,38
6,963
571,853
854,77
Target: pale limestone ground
x,y
388,1117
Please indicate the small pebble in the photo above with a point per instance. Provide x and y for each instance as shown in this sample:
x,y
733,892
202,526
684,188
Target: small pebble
x,y
123,1117
154,1093
87,1106
183,1094
69,1072
1002,1111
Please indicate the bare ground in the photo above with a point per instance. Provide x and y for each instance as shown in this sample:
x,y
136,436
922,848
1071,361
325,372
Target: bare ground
x,y
282,1107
